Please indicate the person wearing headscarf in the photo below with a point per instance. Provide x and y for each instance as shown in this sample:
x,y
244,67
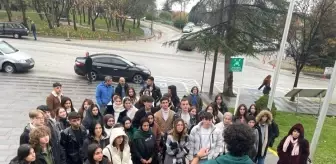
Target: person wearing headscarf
x,y
109,122
25,155
294,148
144,145
93,115
95,155
174,97
128,128
118,151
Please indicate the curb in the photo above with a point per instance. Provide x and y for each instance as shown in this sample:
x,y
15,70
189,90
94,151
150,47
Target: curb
x,y
273,151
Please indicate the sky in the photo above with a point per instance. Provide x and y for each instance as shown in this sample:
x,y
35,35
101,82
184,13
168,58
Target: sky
x,y
177,7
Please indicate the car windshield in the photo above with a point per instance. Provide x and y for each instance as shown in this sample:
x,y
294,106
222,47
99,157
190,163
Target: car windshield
x,y
7,48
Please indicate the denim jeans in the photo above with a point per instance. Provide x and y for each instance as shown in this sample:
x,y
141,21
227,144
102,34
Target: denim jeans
x,y
260,160
34,34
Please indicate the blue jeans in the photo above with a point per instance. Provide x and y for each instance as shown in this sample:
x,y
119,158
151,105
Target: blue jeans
x,y
260,160
34,34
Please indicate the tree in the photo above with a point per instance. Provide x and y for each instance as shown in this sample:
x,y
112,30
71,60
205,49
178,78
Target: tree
x,y
305,34
23,8
95,8
196,14
167,6
236,28
7,4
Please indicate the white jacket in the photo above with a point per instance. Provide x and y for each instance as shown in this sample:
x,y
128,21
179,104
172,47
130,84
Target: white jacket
x,y
111,152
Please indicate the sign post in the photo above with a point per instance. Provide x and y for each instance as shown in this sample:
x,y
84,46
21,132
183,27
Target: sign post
x,y
237,64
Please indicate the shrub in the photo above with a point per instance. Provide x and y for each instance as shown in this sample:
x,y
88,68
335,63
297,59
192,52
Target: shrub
x,y
261,104
180,23
165,15
150,16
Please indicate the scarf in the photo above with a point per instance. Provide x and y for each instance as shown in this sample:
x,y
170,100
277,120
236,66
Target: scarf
x,y
194,100
296,147
264,144
140,134
118,108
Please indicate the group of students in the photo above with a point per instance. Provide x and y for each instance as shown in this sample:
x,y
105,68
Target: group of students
x,y
141,131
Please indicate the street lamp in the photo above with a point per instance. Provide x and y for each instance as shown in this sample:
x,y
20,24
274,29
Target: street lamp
x,y
280,54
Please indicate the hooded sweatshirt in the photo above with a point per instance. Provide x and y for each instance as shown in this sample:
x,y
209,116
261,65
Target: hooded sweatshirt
x,y
113,154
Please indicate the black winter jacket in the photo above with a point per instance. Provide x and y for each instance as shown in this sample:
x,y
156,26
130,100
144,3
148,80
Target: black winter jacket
x,y
58,153
118,89
24,137
156,93
72,147
139,115
90,140
145,149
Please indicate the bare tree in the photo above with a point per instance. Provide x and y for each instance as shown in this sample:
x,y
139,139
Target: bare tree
x,y
304,32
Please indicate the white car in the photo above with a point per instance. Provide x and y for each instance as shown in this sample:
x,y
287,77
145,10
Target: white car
x,y
187,29
191,24
13,60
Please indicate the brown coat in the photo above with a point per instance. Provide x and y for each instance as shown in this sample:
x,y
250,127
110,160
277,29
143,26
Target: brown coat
x,y
53,102
164,126
157,133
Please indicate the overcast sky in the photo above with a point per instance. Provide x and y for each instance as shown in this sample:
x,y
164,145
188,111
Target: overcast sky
x,y
177,7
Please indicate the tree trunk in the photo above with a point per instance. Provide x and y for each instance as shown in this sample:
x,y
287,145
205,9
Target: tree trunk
x,y
123,22
83,11
213,73
138,22
8,11
296,81
74,19
117,24
79,14
107,23
89,15
133,22
23,10
111,20
37,7
93,25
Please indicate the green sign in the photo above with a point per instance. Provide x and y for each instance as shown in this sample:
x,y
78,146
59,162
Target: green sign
x,y
236,64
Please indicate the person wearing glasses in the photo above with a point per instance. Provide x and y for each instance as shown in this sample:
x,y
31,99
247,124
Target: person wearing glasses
x,y
72,139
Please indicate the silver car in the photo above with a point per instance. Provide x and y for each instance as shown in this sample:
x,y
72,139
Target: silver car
x,y
13,60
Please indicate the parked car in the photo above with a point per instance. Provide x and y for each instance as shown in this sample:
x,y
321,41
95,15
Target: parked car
x,y
113,65
13,60
17,30
187,29
186,45
190,24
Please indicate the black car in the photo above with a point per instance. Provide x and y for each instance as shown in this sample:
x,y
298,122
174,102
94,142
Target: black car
x,y
17,30
113,65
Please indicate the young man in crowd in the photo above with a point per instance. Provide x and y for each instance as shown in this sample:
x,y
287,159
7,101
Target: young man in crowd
x,y
239,139
54,136
122,88
36,119
104,93
205,135
72,139
164,117
148,107
54,99
195,99
155,91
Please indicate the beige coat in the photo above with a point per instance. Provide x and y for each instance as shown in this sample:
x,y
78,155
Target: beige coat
x,y
164,126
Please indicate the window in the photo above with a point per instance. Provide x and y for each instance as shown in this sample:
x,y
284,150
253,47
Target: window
x,y
102,60
7,48
17,26
1,26
8,25
116,61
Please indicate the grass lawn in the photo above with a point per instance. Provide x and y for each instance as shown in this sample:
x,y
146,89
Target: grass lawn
x,y
325,153
43,29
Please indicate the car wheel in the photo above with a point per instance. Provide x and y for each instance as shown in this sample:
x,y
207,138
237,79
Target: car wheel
x,y
9,68
137,79
93,76
16,36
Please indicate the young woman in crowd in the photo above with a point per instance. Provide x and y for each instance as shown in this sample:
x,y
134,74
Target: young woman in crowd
x,y
116,109
253,110
96,135
219,104
266,84
92,115
217,116
39,140
108,124
61,119
144,145
264,121
177,143
174,97
66,103
129,107
140,104
154,127
195,99
240,115
87,104
294,148
95,155
118,151
132,95
251,122
128,128
25,155
193,118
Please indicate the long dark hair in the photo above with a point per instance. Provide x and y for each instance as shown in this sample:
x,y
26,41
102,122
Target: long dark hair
x,y
64,100
91,151
93,127
237,114
134,93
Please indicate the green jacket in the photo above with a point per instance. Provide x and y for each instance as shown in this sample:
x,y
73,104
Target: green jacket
x,y
229,159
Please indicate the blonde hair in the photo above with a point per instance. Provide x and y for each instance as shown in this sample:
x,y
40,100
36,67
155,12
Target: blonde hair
x,y
34,113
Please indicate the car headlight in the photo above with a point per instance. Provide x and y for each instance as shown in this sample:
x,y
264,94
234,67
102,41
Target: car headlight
x,y
146,71
22,61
